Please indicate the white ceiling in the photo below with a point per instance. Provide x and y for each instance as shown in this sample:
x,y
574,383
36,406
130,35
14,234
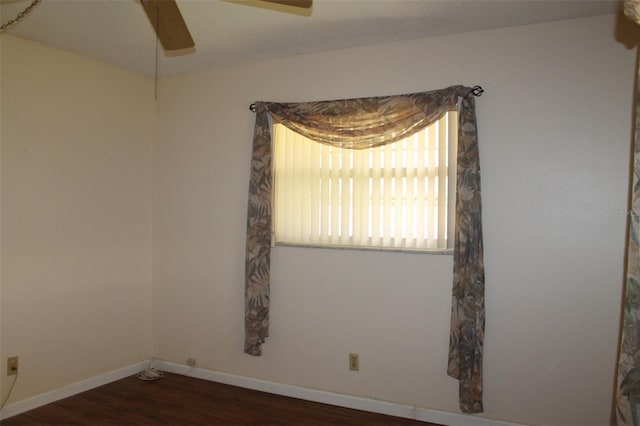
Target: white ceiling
x,y
226,33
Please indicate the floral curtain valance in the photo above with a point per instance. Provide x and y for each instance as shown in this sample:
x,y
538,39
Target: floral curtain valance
x,y
363,123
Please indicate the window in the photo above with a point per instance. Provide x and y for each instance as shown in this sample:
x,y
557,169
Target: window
x,y
398,196
363,122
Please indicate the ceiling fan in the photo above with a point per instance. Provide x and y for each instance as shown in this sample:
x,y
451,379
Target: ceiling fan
x,y
171,28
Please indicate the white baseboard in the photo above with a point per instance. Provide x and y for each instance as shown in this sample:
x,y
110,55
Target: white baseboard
x,y
340,400
70,390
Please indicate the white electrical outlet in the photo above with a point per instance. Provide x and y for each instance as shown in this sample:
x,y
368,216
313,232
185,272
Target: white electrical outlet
x,y
354,362
12,366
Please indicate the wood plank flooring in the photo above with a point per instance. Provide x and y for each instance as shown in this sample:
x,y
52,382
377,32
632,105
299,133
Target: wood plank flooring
x,y
180,400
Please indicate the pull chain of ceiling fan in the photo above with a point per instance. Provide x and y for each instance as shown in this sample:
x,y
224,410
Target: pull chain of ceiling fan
x,y
20,15
155,83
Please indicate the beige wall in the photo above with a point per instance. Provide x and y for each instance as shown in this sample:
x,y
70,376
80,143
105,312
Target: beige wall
x,y
555,134
76,216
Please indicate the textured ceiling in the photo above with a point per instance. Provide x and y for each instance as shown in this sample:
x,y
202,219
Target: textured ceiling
x,y
227,33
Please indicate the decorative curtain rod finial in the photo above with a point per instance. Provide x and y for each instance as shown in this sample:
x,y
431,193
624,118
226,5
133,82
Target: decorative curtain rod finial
x,y
252,107
477,91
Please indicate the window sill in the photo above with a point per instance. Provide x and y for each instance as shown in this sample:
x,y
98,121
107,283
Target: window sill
x,y
361,248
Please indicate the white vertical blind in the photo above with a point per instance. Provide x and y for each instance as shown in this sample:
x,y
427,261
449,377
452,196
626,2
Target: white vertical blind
x,y
452,152
398,196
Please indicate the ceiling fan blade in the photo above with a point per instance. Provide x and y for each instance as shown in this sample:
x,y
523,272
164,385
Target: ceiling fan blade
x,y
168,23
306,4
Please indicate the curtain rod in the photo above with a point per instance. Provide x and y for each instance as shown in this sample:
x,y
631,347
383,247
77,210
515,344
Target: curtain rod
x,y
476,90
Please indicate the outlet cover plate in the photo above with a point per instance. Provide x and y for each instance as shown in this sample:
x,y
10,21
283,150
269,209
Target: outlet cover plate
x,y
354,361
12,366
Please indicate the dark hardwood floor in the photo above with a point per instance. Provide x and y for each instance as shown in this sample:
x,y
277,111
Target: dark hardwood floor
x,y
180,401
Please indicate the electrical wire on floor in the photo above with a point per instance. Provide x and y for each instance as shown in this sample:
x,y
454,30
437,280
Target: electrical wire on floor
x,y
4,402
153,373
149,374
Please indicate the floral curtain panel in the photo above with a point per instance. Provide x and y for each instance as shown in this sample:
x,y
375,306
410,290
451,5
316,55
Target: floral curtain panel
x,y
359,124
628,377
